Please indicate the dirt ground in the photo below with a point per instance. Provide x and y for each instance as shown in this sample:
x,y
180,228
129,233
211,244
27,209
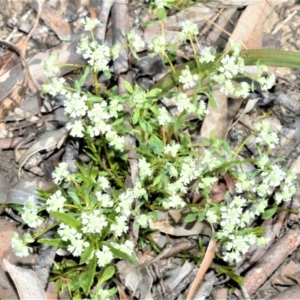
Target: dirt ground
x,y
264,25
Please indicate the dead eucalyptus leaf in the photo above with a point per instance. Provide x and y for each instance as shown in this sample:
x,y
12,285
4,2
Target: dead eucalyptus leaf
x,y
13,83
26,282
139,281
23,189
172,222
45,142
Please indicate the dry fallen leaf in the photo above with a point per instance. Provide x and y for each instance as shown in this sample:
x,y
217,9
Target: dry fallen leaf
x,y
13,83
26,282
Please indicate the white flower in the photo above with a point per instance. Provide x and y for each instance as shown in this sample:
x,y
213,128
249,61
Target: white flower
x,y
187,79
60,173
104,257
76,128
164,116
142,220
105,199
102,294
19,245
207,55
67,233
201,110
75,105
138,190
174,201
285,194
83,45
93,222
55,202
189,28
242,90
207,182
126,247
135,40
50,69
115,50
211,216
263,161
103,182
184,103
145,169
227,87
234,46
78,245
54,87
115,140
30,214
89,24
229,66
157,45
99,57
99,112
139,98
267,138
267,82
120,226
172,149
244,184
260,207
173,171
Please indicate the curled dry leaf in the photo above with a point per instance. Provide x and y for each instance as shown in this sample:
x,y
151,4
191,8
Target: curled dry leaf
x,y
26,282
48,141
13,83
172,222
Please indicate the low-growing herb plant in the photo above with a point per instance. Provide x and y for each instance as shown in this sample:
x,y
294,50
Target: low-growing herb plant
x,y
95,206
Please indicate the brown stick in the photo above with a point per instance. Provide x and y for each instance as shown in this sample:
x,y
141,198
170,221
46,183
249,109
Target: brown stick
x,y
271,260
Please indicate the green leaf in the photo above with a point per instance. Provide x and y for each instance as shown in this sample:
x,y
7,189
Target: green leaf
x,y
190,217
77,86
87,277
160,177
107,74
84,76
107,274
145,125
73,195
117,122
227,147
268,213
153,93
136,116
179,122
66,218
120,254
211,100
128,87
87,254
54,242
161,13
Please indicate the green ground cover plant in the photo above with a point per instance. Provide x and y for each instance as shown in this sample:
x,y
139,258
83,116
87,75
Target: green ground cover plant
x,y
95,206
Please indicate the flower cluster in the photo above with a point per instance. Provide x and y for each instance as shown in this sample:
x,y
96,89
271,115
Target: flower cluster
x,y
30,214
265,137
96,206
187,79
19,246
234,217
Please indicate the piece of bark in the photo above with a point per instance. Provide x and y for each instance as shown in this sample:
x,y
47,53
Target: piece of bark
x,y
119,16
271,260
290,294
